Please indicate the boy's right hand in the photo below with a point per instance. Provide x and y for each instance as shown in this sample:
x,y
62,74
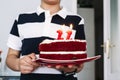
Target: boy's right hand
x,y
27,63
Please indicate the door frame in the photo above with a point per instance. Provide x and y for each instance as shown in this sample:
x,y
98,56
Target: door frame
x,y
99,39
109,10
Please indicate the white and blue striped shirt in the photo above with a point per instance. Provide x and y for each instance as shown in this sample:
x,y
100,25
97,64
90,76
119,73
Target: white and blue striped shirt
x,y
30,29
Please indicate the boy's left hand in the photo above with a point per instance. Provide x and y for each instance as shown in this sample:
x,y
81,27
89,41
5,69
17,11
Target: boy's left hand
x,y
68,68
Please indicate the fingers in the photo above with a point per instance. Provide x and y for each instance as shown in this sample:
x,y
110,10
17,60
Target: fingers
x,y
27,63
58,66
32,56
80,67
69,68
26,69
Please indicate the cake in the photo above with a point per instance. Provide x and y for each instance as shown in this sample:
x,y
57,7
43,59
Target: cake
x,y
63,49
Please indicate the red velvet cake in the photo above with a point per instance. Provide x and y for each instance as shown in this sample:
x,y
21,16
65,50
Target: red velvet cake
x,y
63,49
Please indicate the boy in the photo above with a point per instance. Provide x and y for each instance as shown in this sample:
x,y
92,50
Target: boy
x,y
29,30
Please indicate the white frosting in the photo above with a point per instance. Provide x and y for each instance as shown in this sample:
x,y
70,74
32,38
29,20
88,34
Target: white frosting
x,y
64,52
50,41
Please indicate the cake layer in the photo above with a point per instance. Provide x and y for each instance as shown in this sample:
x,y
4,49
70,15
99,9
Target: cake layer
x,y
63,49
63,45
63,56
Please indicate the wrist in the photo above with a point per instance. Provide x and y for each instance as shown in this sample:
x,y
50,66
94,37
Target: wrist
x,y
18,65
69,73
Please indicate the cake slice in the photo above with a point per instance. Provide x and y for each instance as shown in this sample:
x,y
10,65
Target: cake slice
x,y
63,49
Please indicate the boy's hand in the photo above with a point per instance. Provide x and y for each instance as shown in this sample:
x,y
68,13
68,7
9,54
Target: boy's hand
x,y
68,68
28,64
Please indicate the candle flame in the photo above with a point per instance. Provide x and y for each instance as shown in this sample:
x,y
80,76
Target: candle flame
x,y
63,26
71,26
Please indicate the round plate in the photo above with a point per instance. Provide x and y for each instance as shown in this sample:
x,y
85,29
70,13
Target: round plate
x,y
76,61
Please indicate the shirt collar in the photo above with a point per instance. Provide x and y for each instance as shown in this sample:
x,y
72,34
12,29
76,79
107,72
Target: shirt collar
x,y
62,12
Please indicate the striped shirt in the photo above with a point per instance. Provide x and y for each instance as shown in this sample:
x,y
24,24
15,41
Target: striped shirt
x,y
30,29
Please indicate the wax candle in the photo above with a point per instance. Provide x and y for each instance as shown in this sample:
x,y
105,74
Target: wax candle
x,y
69,32
60,32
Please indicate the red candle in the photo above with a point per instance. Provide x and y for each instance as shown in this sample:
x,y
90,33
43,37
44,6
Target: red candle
x,y
69,32
59,34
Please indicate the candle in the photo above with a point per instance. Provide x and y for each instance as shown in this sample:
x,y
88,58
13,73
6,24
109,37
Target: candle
x,y
59,34
71,26
69,32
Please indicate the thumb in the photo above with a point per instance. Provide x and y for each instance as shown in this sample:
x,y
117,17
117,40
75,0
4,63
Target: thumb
x,y
32,56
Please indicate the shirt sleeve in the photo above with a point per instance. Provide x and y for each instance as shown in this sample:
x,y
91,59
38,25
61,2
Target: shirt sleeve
x,y
80,33
14,40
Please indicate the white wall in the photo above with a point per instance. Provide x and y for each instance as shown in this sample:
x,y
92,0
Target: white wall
x,y
88,73
9,10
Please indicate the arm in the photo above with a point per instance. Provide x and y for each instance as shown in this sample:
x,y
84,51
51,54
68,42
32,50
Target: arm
x,y
12,59
24,65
